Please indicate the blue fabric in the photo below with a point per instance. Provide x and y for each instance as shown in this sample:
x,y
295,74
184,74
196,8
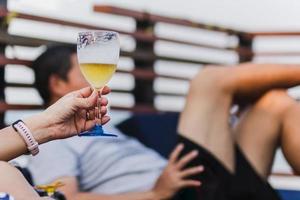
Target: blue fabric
x,y
157,131
289,194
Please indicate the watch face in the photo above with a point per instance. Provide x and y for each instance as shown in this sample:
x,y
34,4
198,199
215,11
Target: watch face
x,y
5,196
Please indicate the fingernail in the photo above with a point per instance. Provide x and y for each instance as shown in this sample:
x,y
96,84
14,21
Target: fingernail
x,y
195,152
200,168
181,146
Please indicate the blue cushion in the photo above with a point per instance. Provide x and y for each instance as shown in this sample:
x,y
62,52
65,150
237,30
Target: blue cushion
x,y
157,131
289,194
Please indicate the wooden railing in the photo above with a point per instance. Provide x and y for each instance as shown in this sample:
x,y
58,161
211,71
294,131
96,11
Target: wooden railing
x,y
144,55
144,59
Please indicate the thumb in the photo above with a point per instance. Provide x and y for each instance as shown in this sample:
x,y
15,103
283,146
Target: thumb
x,y
86,103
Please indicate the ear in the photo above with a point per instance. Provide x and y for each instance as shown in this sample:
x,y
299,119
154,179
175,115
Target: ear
x,y
57,86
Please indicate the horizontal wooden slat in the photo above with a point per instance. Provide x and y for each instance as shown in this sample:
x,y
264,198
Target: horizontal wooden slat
x,y
270,34
166,93
27,41
6,38
136,109
4,107
28,85
141,36
137,72
157,18
149,75
285,174
152,57
5,61
19,85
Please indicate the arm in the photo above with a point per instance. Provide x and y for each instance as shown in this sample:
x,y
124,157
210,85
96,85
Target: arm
x,y
12,144
70,190
65,118
168,184
252,80
247,82
249,77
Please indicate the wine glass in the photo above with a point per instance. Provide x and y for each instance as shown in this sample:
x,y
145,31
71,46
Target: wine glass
x,y
98,54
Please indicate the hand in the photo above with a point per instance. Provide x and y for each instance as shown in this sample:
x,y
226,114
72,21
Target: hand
x,y
68,116
173,177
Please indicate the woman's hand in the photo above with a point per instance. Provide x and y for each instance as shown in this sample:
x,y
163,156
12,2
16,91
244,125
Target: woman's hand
x,y
69,116
173,177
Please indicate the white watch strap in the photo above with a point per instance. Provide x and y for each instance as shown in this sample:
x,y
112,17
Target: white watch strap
x,y
25,133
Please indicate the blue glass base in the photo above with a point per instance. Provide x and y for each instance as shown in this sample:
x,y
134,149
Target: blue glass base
x,y
97,131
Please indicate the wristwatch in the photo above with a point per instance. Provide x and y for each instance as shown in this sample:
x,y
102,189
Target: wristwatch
x,y
21,128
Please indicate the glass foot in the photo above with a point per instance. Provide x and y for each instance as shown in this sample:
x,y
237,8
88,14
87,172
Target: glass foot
x,y
97,131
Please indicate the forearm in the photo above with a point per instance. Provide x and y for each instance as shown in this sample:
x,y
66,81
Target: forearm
x,y
12,144
249,81
248,77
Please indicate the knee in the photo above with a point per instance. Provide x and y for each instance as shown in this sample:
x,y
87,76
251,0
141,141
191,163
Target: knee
x,y
277,102
211,79
7,169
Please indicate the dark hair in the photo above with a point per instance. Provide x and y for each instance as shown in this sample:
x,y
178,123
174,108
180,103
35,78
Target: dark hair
x,y
55,60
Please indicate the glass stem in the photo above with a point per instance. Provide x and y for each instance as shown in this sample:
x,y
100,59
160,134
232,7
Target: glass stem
x,y
98,106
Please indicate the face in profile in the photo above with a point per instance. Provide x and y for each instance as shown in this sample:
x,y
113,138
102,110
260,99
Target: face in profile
x,y
59,87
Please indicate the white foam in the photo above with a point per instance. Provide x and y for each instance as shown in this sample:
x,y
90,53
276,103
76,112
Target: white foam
x,y
104,53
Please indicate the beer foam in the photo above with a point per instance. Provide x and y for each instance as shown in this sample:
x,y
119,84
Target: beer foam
x,y
100,52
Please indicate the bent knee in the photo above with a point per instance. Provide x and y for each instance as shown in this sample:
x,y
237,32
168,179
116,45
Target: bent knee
x,y
276,101
211,79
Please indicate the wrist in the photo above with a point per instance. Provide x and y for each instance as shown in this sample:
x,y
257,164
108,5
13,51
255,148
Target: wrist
x,y
39,128
158,195
152,195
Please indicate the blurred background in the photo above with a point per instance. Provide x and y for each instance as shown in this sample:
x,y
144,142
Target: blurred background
x,y
164,44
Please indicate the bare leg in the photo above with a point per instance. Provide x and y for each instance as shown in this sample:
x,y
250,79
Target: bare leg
x,y
290,140
204,119
13,183
260,129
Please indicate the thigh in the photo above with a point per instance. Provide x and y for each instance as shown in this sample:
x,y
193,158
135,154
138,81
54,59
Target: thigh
x,y
205,118
290,139
260,129
13,183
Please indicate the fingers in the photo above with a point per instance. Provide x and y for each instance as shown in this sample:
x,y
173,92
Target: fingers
x,y
105,90
89,124
192,171
190,183
175,153
84,92
87,91
91,114
186,159
105,119
86,103
104,101
103,110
